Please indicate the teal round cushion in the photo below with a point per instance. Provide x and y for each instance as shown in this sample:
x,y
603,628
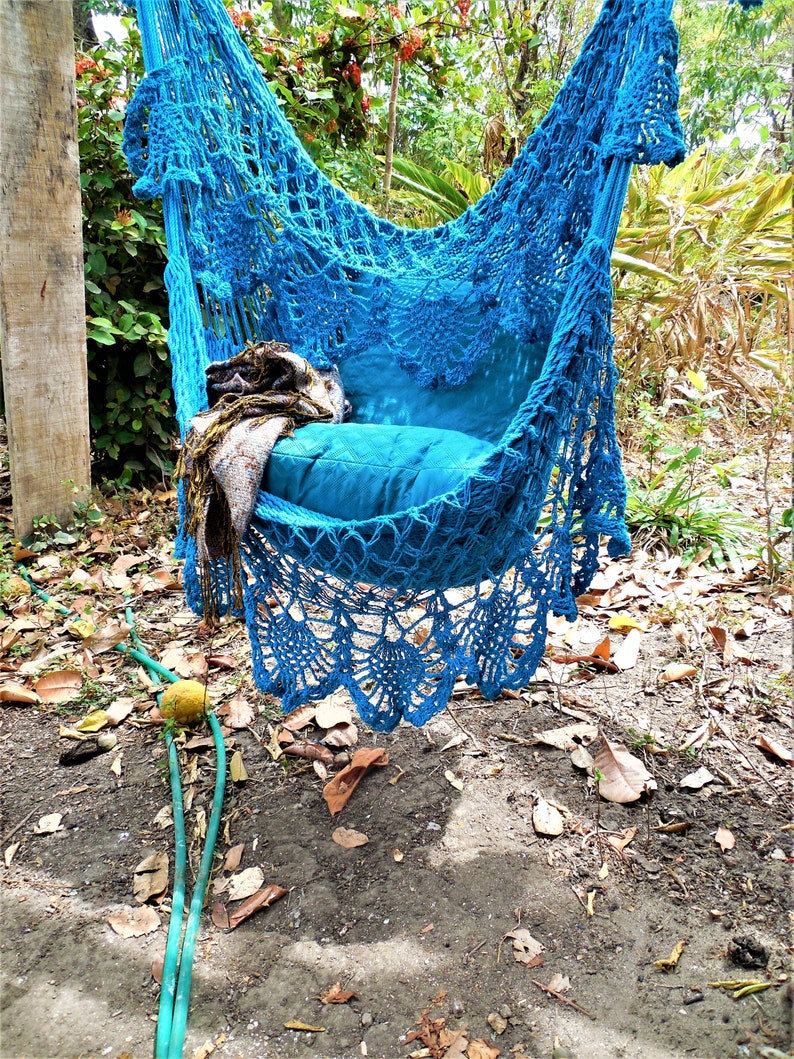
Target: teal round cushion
x,y
357,471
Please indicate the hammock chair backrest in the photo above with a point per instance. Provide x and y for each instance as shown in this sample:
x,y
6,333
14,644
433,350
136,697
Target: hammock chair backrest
x,y
276,250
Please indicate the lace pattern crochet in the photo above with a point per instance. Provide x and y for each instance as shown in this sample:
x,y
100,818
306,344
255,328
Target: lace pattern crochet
x,y
263,247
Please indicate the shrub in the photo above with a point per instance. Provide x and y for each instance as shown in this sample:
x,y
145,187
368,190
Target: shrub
x,y
126,308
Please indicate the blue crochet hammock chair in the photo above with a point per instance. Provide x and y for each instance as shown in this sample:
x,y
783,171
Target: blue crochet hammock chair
x,y
431,536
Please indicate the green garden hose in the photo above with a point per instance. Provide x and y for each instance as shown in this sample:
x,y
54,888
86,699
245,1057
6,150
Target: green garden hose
x,y
179,952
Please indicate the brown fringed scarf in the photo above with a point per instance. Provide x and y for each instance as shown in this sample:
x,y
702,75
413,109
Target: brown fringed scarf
x,y
256,397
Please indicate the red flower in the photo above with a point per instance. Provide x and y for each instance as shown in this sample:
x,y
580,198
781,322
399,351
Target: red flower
x,y
365,104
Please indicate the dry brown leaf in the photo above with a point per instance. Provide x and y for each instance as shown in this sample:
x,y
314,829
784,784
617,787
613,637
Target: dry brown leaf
x,y
337,792
337,995
13,692
482,1049
344,734
222,661
219,915
547,819
60,686
330,713
310,751
233,857
10,852
569,737
526,949
725,839
621,840
299,718
347,838
772,746
237,713
678,671
303,1027
158,964
106,638
245,883
453,780
255,903
624,777
671,962
135,922
119,710
150,878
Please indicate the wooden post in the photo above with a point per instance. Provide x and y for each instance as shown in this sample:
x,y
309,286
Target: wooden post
x,y
42,300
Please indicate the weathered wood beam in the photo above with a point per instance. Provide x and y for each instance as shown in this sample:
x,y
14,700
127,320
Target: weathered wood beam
x,y
42,300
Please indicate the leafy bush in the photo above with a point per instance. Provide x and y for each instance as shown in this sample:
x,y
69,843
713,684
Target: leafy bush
x,y
126,309
703,263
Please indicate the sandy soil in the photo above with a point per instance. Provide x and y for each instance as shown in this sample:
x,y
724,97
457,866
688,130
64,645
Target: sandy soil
x,y
419,919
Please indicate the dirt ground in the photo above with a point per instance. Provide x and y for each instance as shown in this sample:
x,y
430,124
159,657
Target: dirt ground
x,y
418,922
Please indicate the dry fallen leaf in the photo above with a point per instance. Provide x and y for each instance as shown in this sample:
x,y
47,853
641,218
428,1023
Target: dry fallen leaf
x,y
569,737
724,838
299,718
772,746
10,853
627,653
255,903
95,720
233,857
303,1027
671,962
621,840
347,838
337,792
60,686
49,824
150,878
625,623
695,780
547,819
135,922
344,734
453,780
245,883
219,915
331,712
560,983
337,995
678,671
106,638
623,777
13,692
237,713
480,1049
583,759
526,949
119,709
237,768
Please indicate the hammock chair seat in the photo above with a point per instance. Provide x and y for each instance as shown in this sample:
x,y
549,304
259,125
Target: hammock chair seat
x,y
432,535
404,445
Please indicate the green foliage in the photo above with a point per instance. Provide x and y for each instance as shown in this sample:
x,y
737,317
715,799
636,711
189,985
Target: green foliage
x,y
735,74
126,308
669,507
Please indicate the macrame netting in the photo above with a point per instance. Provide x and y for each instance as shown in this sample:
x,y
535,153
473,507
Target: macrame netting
x,y
262,246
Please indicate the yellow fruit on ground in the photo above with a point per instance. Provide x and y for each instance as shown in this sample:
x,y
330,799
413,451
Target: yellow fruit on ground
x,y
185,701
